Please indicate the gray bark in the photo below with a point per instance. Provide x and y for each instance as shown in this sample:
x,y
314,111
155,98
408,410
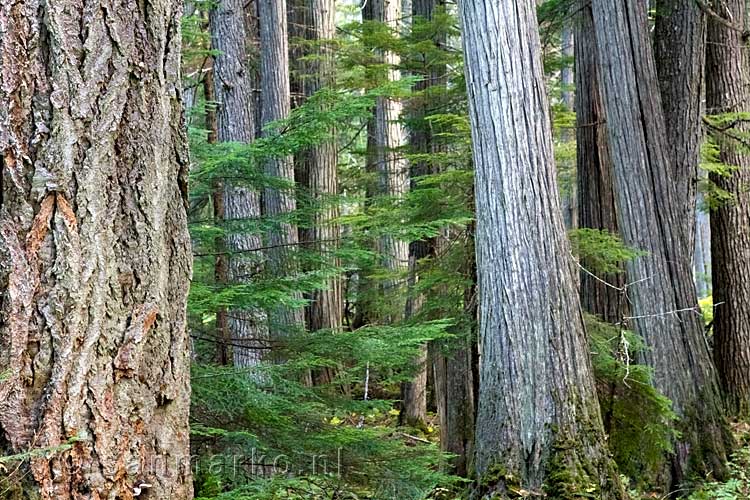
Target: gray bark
x,y
652,218
727,92
390,137
680,53
326,306
236,122
596,197
95,249
538,422
283,239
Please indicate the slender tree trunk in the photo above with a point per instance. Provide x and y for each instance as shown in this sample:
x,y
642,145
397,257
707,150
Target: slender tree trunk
x,y
652,218
596,197
414,392
236,122
727,92
390,137
538,421
283,239
567,80
455,380
95,250
326,306
702,255
223,355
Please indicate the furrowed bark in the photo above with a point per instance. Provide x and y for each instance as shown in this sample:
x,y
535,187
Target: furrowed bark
x,y
652,218
93,234
596,197
538,421
726,92
283,238
236,122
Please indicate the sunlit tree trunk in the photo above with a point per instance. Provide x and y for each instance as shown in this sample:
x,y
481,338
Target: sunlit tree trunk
x,y
652,217
727,92
538,422
94,352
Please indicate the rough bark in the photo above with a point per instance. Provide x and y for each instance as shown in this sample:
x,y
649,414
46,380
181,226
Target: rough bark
x,y
414,392
278,203
95,249
652,218
321,180
538,421
596,197
727,92
390,137
236,122
680,53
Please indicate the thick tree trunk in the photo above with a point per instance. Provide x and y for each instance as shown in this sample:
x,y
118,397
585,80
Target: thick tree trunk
x,y
596,197
680,53
278,203
538,422
236,122
727,92
652,218
93,237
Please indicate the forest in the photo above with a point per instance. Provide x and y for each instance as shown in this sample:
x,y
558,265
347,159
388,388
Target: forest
x,y
374,249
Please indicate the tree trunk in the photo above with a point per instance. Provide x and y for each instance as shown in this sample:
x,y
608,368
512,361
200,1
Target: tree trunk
x,y
455,380
726,92
236,122
680,53
326,306
278,203
652,218
538,422
414,392
596,197
570,198
93,237
392,168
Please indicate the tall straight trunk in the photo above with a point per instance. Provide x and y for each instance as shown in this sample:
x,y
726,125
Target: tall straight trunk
x,y
95,250
414,392
680,54
325,309
652,218
282,239
390,137
702,253
727,92
538,422
596,197
236,122
567,76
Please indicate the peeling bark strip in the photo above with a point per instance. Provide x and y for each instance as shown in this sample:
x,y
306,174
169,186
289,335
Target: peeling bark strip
x,y
94,250
538,421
